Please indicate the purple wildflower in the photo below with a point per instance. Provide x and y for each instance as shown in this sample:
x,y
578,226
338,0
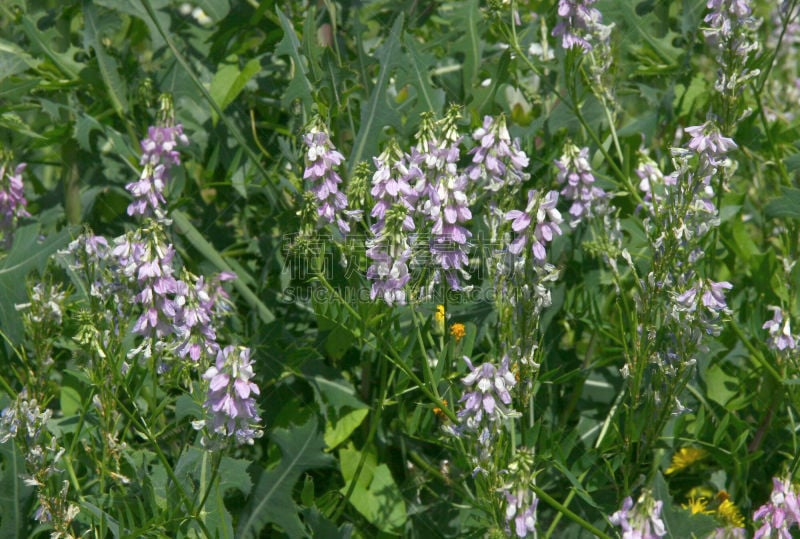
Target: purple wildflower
x,y
230,401
489,396
159,154
707,142
780,332
575,174
449,236
727,21
322,160
642,521
12,200
780,513
577,23
546,227
496,161
522,513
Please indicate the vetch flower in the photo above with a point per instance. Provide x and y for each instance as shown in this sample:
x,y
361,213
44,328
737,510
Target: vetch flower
x,y
230,404
781,513
546,226
489,395
12,200
323,158
577,24
780,332
497,162
575,174
642,521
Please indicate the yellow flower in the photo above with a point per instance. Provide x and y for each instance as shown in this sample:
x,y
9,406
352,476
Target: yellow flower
x,y
698,505
457,331
437,324
685,457
439,315
729,513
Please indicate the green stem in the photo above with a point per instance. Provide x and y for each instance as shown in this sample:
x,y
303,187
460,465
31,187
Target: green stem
x,y
549,500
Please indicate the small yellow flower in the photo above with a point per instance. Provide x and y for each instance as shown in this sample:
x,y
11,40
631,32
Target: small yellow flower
x,y
685,457
437,324
457,331
698,505
439,315
439,412
729,513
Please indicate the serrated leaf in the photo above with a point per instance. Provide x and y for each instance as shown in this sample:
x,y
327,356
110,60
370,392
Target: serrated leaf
x,y
299,86
645,36
271,499
13,60
135,9
466,18
27,254
42,36
96,23
416,72
378,113
785,206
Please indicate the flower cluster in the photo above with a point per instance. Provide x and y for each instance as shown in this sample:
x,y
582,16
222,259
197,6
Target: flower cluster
x,y
497,162
731,32
159,154
26,422
780,332
488,396
323,157
520,500
709,294
578,23
390,250
781,513
230,401
12,200
575,174
542,212
642,521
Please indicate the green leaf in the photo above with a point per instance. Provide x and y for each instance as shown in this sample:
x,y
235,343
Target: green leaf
x,y
43,35
466,17
792,162
14,494
215,9
13,60
416,72
271,499
376,495
186,228
378,112
229,81
339,431
299,85
27,254
96,22
680,522
785,206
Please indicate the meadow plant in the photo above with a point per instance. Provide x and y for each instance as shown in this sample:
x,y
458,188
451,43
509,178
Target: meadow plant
x,y
448,269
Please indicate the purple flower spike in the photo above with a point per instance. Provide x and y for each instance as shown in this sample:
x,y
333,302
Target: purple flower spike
x,y
322,159
497,162
575,174
159,154
230,403
546,227
577,24
781,513
642,521
780,332
490,393
12,200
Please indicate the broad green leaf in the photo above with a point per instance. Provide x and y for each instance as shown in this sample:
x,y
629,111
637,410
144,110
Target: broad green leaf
x,y
43,35
271,499
785,206
466,18
135,9
96,24
14,494
186,228
375,495
229,81
27,254
215,9
416,72
378,113
339,430
13,59
792,162
680,522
